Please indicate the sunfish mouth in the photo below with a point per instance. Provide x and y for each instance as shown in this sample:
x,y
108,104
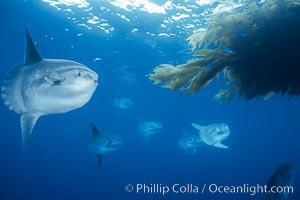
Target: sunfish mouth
x,y
91,75
94,77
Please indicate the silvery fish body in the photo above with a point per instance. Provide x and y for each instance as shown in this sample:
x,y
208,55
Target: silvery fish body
x,y
46,86
213,134
101,144
123,103
149,128
190,143
282,178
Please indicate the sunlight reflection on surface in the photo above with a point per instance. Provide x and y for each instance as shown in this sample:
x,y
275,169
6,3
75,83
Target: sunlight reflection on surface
x,y
79,3
173,18
143,5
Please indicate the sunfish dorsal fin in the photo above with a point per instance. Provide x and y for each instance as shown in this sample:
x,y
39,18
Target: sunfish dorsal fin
x,y
94,129
28,121
197,126
31,54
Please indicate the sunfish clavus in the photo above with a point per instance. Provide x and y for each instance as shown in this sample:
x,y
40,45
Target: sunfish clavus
x,y
46,86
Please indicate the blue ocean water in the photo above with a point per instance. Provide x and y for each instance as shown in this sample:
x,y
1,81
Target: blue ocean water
x,y
126,47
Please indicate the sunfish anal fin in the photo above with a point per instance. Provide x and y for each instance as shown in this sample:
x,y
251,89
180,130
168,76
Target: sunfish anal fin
x,y
28,121
31,54
99,160
221,146
94,129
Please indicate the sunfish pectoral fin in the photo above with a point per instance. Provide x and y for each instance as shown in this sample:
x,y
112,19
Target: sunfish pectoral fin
x,y
53,81
94,129
221,146
28,121
99,160
31,54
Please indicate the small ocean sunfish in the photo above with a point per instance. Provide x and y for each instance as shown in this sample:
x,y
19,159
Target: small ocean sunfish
x,y
46,86
190,143
282,177
213,134
100,144
122,103
147,129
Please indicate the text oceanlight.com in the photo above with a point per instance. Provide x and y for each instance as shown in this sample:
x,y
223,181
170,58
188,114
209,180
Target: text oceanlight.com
x,y
162,189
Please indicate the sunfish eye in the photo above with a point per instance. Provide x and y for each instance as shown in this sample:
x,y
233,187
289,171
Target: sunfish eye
x,y
79,73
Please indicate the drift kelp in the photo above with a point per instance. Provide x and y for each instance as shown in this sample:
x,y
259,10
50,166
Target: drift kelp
x,y
254,46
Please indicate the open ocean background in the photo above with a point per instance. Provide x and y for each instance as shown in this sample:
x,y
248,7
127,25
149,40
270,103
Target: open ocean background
x,y
126,47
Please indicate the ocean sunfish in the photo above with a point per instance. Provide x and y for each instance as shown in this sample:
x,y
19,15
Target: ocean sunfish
x,y
190,143
122,103
283,177
46,86
213,134
149,128
100,144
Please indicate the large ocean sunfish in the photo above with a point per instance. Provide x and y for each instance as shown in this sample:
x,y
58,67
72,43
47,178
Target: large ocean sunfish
x,y
46,86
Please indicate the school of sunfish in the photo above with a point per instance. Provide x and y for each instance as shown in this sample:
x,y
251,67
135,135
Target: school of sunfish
x,y
52,86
